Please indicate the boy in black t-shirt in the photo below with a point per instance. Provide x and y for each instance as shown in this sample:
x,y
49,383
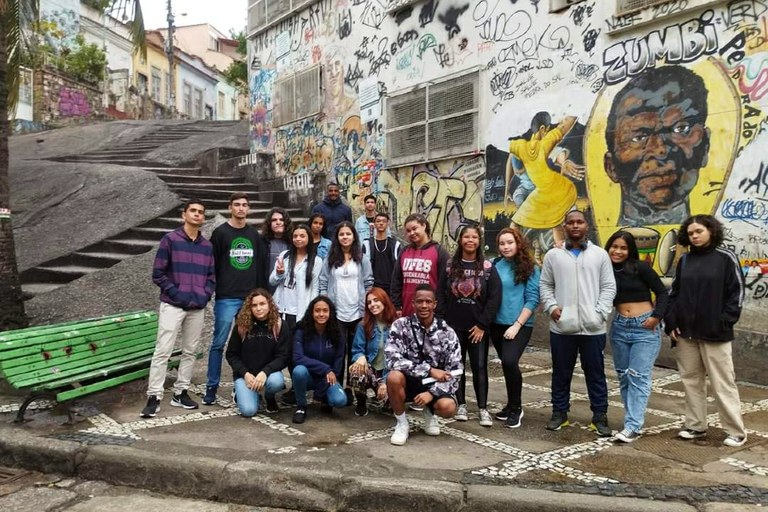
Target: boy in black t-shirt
x,y
383,252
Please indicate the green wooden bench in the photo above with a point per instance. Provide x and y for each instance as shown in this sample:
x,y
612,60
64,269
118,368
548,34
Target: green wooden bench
x,y
66,361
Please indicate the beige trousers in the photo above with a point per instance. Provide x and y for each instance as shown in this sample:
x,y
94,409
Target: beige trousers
x,y
696,360
170,321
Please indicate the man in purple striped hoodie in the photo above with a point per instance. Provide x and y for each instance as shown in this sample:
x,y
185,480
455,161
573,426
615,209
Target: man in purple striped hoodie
x,y
185,272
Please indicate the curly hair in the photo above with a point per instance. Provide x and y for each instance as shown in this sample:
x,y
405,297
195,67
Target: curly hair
x,y
523,258
307,323
336,254
421,219
245,317
715,228
457,270
266,227
388,315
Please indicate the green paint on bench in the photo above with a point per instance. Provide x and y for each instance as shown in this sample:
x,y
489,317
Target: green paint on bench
x,y
74,359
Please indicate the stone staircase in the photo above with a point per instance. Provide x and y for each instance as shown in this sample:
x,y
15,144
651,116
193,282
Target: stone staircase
x,y
187,182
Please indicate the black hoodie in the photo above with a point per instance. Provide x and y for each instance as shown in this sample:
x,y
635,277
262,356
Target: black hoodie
x,y
706,296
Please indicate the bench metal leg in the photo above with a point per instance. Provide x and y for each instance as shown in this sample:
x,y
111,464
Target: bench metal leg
x,y
31,398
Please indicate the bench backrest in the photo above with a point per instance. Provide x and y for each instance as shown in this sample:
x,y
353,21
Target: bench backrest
x,y
29,357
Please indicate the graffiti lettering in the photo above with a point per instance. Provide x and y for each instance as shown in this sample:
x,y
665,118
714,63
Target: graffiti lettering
x,y
450,19
373,14
626,21
759,183
676,44
745,210
743,11
403,14
501,83
426,42
580,12
443,55
590,39
503,26
427,13
402,39
383,60
345,24
752,75
353,76
668,8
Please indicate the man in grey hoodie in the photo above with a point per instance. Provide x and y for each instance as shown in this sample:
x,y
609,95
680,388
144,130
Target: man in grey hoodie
x,y
577,289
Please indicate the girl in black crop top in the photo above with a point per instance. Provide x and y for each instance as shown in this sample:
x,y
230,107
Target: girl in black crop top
x,y
635,333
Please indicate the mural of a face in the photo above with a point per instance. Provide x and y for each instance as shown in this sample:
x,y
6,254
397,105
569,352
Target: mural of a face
x,y
657,141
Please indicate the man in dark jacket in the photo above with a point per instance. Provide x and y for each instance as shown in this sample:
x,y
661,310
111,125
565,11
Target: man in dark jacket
x,y
333,209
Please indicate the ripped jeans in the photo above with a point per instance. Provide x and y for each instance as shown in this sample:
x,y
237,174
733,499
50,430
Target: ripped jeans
x,y
634,351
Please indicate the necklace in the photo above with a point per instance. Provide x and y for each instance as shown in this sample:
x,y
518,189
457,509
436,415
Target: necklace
x,y
376,244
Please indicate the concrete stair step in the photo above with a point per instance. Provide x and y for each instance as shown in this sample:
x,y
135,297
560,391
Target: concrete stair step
x,y
166,222
32,289
119,152
181,179
153,234
114,161
100,259
222,203
58,274
125,245
180,171
213,190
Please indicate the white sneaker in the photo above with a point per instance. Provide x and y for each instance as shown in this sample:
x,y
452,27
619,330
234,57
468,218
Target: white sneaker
x,y
431,425
734,441
485,418
400,435
461,413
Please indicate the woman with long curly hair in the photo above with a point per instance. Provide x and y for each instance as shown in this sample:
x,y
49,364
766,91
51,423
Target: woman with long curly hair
x,y
369,369
318,356
472,294
258,350
511,329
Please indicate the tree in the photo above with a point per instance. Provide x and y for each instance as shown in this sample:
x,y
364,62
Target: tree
x,y
237,72
15,15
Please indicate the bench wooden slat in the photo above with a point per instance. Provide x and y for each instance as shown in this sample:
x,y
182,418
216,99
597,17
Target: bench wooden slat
x,y
107,361
71,326
85,349
32,342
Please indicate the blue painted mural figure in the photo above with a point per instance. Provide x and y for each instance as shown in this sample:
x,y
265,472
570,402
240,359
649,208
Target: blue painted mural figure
x,y
657,142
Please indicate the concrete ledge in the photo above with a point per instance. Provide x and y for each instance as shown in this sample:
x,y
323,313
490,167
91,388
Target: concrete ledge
x,y
251,483
488,498
20,449
399,494
193,477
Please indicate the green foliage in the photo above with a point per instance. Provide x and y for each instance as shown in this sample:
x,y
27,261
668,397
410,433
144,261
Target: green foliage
x,y
86,61
237,72
99,5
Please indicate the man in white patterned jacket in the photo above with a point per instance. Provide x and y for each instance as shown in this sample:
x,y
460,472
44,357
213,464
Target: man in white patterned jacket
x,y
424,362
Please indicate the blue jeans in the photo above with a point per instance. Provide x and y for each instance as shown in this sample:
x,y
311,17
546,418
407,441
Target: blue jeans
x,y
224,313
302,380
589,348
248,399
634,351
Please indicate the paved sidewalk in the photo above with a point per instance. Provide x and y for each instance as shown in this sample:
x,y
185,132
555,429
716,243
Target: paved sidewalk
x,y
342,462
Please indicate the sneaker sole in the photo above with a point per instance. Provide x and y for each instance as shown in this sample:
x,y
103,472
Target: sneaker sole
x,y
594,429
142,415
735,445
486,423
563,424
361,415
398,442
431,432
519,422
179,404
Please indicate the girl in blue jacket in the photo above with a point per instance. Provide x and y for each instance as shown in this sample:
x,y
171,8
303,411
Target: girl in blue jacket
x,y
369,367
318,354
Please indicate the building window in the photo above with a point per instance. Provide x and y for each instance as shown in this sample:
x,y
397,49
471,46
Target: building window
x,y
157,84
434,121
25,86
297,96
187,95
262,14
629,6
561,5
213,43
142,83
198,105
222,104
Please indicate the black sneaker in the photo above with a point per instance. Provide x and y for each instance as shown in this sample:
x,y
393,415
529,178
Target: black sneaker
x,y
183,400
600,426
503,414
272,405
558,420
515,419
288,398
361,408
300,415
152,407
210,395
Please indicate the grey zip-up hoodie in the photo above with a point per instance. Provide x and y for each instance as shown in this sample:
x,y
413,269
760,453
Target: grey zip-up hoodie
x,y
583,287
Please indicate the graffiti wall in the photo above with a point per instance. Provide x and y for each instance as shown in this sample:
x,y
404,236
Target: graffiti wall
x,y
639,120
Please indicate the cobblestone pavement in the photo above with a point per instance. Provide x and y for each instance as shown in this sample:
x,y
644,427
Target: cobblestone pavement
x,y
657,466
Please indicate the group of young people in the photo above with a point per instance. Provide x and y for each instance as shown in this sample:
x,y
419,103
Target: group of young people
x,y
353,316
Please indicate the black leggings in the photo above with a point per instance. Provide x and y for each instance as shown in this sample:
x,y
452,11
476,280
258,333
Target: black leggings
x,y
478,359
347,337
510,351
